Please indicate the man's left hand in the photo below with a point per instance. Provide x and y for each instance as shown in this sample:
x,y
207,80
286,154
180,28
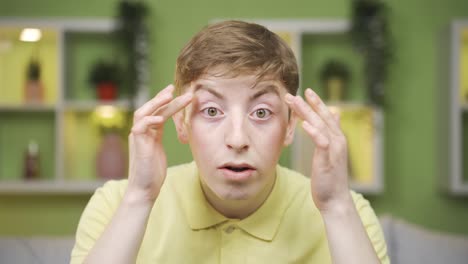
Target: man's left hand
x,y
329,174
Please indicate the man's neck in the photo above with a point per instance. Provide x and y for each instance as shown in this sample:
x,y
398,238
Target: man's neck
x,y
238,209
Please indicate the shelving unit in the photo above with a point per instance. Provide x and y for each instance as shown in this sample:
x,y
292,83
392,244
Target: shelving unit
x,y
456,51
365,142
67,131
69,48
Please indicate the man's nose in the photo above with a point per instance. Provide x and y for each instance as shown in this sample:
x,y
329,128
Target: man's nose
x,y
237,137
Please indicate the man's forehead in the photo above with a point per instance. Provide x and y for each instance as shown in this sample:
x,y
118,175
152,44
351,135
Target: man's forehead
x,y
256,91
218,84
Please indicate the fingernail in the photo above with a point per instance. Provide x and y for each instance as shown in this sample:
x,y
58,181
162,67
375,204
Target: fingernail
x,y
166,95
168,90
309,92
170,87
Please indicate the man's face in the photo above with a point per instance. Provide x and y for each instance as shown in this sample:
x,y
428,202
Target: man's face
x,y
236,132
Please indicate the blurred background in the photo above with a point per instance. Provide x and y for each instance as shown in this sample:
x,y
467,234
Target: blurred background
x,y
68,86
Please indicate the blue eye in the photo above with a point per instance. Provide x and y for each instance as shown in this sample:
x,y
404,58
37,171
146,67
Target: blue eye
x,y
262,113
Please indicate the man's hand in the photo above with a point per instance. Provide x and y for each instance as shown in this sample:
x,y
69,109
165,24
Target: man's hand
x,y
329,174
148,163
347,238
146,176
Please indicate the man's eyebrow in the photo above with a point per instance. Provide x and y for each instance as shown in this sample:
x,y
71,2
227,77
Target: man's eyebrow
x,y
270,88
208,89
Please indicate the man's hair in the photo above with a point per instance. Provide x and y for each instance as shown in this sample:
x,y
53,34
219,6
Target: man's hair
x,y
237,48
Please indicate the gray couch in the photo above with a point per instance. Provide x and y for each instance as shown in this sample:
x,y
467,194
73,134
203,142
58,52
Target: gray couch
x,y
407,243
35,250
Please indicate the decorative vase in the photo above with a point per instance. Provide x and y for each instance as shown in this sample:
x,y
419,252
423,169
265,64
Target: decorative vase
x,y
34,91
111,159
335,90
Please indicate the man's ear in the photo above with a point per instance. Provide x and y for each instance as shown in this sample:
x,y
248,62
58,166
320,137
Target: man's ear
x,y
288,139
178,119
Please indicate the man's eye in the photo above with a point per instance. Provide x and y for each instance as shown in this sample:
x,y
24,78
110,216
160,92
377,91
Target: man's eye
x,y
262,113
211,111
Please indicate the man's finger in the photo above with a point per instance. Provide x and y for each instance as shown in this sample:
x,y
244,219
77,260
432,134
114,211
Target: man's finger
x,y
162,98
336,114
306,113
174,106
142,125
319,139
322,110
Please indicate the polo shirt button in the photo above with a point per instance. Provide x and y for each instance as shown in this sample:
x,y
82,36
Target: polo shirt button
x,y
230,229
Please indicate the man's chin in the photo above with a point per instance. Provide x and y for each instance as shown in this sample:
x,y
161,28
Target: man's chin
x,y
234,196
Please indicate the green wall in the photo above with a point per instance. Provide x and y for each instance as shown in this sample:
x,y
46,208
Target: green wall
x,y
412,157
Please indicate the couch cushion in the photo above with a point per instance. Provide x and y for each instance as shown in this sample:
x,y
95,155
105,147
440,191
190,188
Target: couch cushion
x,y
408,243
38,250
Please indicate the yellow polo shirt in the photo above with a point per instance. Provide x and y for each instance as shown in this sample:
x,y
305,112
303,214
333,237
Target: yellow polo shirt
x,y
184,228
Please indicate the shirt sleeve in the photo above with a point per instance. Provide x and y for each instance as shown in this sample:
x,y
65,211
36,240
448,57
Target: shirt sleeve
x,y
372,225
95,217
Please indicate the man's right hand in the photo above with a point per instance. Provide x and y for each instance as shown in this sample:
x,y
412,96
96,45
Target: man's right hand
x,y
148,163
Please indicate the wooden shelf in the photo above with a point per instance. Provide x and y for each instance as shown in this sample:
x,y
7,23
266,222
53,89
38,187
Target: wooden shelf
x,y
367,188
464,107
49,187
27,108
73,25
84,106
88,187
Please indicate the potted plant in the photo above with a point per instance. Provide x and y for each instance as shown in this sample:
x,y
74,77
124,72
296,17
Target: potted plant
x,y
34,90
371,36
133,37
105,77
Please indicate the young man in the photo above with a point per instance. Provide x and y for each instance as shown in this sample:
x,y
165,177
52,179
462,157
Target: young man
x,y
234,204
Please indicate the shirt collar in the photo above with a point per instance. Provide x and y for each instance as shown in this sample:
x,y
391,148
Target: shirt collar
x,y
200,214
262,224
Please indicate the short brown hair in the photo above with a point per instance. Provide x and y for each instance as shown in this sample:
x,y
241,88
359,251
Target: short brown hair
x,y
238,48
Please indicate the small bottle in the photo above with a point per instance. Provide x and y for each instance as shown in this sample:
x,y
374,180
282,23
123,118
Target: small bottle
x,y
31,161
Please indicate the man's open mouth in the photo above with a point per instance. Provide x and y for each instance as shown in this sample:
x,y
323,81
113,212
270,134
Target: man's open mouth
x,y
237,172
238,168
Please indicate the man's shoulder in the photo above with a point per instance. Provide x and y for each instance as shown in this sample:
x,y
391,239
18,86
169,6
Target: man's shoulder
x,y
181,176
298,186
297,180
294,180
119,186
182,170
112,188
295,190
